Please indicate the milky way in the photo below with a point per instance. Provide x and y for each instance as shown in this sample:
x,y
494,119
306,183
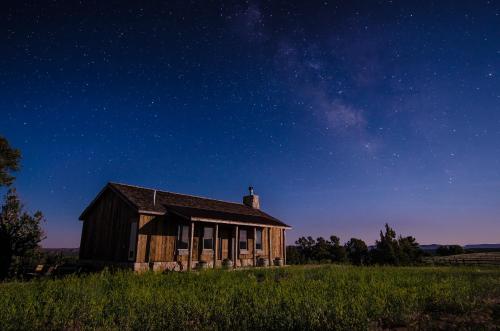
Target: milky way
x,y
342,115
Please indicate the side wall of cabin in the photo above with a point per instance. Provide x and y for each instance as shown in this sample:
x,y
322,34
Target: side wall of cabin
x,y
106,229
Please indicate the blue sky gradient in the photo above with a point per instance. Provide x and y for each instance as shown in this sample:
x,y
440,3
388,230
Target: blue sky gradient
x,y
342,115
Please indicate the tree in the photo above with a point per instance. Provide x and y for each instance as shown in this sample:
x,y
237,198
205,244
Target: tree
x,y
9,162
306,248
294,256
357,251
20,233
409,251
401,251
322,251
337,251
386,249
449,250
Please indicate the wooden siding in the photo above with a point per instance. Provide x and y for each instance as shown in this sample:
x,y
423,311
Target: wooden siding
x,y
158,234
276,243
156,239
225,234
106,229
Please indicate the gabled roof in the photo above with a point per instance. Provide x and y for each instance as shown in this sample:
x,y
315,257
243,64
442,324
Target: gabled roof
x,y
187,206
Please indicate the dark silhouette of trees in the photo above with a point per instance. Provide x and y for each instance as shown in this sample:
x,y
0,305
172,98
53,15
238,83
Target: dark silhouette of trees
x,y
392,251
389,250
385,251
409,251
306,248
20,234
321,250
9,162
449,250
357,251
337,251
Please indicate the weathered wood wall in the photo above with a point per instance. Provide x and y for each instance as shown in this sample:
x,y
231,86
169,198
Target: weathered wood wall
x,y
158,234
225,234
276,243
156,239
106,231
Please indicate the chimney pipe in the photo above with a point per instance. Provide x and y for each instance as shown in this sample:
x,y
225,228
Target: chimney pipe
x,y
154,198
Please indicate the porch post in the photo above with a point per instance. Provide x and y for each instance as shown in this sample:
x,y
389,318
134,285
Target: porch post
x,y
236,247
191,235
254,246
284,247
216,248
270,247
233,246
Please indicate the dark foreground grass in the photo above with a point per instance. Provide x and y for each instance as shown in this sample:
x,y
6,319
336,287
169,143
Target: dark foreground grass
x,y
299,298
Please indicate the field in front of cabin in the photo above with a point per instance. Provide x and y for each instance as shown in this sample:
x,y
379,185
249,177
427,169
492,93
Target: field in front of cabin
x,y
298,297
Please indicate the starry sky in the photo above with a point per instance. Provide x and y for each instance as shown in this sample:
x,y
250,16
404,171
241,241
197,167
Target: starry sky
x,y
343,115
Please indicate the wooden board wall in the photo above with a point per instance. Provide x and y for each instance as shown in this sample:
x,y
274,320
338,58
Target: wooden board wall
x,y
156,239
158,234
277,242
106,231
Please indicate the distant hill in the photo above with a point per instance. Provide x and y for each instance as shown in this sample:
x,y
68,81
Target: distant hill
x,y
482,246
471,246
431,247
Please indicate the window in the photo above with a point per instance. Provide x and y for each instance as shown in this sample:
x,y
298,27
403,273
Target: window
x,y
258,239
243,240
208,238
132,241
183,237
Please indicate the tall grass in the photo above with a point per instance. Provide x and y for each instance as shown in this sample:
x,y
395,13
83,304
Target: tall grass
x,y
294,298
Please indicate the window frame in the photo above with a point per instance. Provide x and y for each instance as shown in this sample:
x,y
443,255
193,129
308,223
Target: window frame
x,y
241,249
211,239
180,233
257,232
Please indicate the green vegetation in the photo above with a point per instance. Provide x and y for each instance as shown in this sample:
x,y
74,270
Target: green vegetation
x,y
388,250
20,235
9,162
449,250
20,232
299,297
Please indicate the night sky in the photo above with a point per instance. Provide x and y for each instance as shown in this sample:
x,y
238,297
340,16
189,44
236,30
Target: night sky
x,y
343,115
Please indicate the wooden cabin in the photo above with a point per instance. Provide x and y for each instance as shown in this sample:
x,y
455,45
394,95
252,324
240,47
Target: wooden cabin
x,y
143,229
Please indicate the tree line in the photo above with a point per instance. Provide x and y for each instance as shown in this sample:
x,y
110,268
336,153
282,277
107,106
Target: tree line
x,y
389,249
20,231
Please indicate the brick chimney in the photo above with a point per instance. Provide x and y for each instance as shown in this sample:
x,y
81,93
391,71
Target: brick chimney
x,y
251,200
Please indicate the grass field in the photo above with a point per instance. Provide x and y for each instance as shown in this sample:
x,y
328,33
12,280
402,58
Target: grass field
x,y
299,298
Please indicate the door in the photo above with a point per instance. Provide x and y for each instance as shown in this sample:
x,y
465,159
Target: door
x,y
224,244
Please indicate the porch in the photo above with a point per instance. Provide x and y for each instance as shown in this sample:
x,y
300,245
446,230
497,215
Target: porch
x,y
212,245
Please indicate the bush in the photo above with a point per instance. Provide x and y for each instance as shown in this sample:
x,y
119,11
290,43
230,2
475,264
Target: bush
x,y
449,250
